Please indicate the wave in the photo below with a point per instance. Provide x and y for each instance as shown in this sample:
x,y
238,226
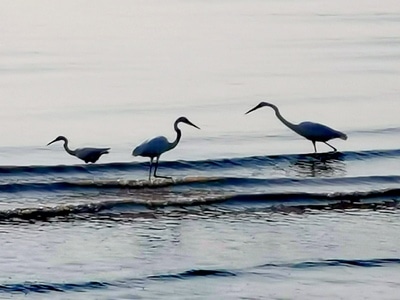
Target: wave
x,y
14,187
363,263
388,130
194,181
193,273
32,287
36,287
275,202
296,196
251,161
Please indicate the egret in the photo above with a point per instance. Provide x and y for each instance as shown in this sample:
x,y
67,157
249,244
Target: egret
x,y
311,131
154,147
86,154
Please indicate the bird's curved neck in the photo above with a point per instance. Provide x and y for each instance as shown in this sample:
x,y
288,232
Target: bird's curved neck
x,y
72,152
178,137
283,120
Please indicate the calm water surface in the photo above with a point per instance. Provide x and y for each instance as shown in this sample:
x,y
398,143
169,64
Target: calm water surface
x,y
250,214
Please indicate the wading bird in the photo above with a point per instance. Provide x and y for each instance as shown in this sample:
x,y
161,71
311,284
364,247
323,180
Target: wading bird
x,y
86,154
311,131
156,146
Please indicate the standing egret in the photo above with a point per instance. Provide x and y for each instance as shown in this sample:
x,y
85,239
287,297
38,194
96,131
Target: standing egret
x,y
156,146
86,154
311,131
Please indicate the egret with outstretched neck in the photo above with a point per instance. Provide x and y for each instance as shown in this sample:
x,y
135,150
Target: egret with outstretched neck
x,y
314,132
86,154
154,147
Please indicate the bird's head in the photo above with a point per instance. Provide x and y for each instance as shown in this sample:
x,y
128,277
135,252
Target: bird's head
x,y
186,121
59,138
261,104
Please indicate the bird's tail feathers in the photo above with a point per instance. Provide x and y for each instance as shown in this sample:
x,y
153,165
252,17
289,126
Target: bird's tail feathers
x,y
342,136
105,151
137,151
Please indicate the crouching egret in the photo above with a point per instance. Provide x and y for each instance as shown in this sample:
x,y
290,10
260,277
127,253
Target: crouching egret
x,y
311,131
86,154
154,147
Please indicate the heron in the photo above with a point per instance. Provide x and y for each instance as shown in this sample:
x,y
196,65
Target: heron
x,y
154,147
314,132
86,154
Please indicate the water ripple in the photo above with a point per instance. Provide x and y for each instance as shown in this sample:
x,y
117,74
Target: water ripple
x,y
32,287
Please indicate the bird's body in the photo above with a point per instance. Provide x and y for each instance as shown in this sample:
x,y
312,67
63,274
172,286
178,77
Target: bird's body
x,y
317,132
90,154
154,147
314,132
86,154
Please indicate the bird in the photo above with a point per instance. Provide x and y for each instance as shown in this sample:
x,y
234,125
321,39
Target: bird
x,y
86,154
154,147
314,132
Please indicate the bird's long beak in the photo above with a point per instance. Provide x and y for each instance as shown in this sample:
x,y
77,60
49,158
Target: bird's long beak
x,y
52,142
190,123
254,108
195,126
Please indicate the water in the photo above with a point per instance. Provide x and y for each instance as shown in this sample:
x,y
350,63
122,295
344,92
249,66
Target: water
x,y
250,214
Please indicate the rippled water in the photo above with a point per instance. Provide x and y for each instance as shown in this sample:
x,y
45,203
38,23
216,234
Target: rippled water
x,y
250,212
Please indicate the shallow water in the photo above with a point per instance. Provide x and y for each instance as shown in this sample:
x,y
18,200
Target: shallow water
x,y
251,213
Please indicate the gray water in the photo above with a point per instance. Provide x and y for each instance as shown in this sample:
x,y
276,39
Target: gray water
x,y
251,213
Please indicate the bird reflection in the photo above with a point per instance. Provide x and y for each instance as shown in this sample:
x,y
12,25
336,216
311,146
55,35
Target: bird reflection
x,y
317,165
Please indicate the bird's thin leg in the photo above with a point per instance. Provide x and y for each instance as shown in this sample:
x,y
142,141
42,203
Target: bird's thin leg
x,y
315,147
156,167
151,165
155,171
334,149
